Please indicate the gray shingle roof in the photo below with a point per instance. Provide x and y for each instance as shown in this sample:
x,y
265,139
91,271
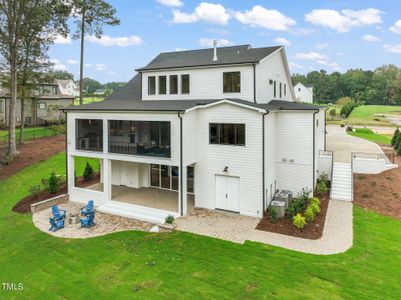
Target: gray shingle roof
x,y
131,91
204,57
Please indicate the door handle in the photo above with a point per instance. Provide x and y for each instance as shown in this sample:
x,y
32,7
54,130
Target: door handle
x,y
226,195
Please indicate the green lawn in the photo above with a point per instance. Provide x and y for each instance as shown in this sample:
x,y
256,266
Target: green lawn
x,y
29,133
88,100
180,265
368,134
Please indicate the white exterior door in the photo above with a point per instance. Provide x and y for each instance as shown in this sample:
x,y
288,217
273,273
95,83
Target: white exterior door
x,y
227,193
124,180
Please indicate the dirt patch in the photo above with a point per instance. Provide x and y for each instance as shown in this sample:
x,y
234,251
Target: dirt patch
x,y
380,192
24,205
313,230
32,151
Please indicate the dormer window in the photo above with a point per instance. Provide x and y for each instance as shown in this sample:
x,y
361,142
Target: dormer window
x,y
232,82
173,84
151,85
162,85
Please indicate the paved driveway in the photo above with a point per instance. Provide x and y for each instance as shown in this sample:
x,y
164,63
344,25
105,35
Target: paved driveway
x,y
343,144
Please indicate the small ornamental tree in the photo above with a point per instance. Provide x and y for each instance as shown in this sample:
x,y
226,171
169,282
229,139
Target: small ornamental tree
x,y
88,172
332,113
397,142
399,148
395,136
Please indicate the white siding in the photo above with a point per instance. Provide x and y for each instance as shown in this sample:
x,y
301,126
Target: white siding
x,y
130,174
294,148
272,68
270,156
242,161
303,94
205,83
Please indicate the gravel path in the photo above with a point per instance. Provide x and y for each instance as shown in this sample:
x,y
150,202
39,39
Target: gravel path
x,y
337,234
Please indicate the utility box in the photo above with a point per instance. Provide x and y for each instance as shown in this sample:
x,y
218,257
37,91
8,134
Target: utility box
x,y
279,206
289,193
282,197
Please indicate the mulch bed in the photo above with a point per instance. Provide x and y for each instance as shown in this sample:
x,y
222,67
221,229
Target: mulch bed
x,y
380,192
312,231
30,152
24,205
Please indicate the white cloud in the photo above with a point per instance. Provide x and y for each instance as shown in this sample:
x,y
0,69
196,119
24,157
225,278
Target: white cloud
x,y
57,65
89,65
177,49
205,42
293,65
311,56
392,48
370,38
345,20
123,41
396,28
100,67
72,61
321,45
171,3
282,41
206,12
63,40
259,16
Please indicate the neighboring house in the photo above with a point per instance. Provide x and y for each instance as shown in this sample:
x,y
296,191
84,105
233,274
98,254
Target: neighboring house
x,y
99,92
41,106
212,128
68,87
304,93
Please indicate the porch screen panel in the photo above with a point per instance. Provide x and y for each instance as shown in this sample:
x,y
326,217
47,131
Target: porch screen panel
x,y
155,175
89,134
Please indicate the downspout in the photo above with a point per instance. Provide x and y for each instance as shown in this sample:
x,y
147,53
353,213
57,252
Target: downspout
x,y
254,82
181,169
325,128
66,151
263,163
314,149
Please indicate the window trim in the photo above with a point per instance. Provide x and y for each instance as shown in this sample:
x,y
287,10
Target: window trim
x,y
154,90
231,85
235,134
40,103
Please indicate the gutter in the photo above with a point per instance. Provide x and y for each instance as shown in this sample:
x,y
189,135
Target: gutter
x,y
181,168
263,163
254,82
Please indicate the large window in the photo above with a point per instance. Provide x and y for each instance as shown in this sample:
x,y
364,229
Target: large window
x,y
227,134
232,82
165,177
185,84
281,95
151,85
275,89
147,138
173,84
162,85
89,134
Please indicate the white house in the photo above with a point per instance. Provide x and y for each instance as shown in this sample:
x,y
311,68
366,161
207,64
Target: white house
x,y
68,87
213,128
303,93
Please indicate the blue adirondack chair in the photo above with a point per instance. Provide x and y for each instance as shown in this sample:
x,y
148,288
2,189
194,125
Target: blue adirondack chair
x,y
89,220
88,209
58,214
56,224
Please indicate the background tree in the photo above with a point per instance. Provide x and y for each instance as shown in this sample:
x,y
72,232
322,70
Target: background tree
x,y
332,113
90,17
64,75
21,20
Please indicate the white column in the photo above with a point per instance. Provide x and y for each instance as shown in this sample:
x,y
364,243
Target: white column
x,y
107,179
71,172
184,188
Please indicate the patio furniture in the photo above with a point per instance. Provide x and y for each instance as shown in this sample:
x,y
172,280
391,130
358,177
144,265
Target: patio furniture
x,y
89,220
56,224
279,206
88,209
58,214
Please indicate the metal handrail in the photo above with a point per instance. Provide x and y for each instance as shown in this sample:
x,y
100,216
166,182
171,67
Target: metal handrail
x,y
368,155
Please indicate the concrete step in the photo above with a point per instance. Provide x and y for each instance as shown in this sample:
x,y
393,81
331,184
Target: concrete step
x,y
342,182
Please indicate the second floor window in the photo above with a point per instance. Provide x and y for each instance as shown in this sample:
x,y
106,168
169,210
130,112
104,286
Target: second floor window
x,y
185,84
281,95
173,84
227,134
162,85
275,89
232,82
151,85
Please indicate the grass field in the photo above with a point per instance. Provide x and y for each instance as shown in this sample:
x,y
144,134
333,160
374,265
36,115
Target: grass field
x,y
29,133
368,134
180,265
88,100
366,115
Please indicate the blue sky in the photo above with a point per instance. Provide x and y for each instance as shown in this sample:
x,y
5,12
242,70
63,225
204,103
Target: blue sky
x,y
330,35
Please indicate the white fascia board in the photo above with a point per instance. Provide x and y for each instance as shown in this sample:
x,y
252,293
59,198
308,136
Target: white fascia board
x,y
260,110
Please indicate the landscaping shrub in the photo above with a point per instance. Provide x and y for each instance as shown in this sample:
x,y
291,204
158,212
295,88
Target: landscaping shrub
x,y
325,178
314,200
299,221
53,183
57,129
309,214
35,189
298,204
395,136
315,208
321,187
397,142
348,129
347,109
88,172
169,219
399,148
273,214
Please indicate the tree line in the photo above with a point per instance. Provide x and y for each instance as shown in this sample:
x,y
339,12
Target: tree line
x,y
381,86
27,30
